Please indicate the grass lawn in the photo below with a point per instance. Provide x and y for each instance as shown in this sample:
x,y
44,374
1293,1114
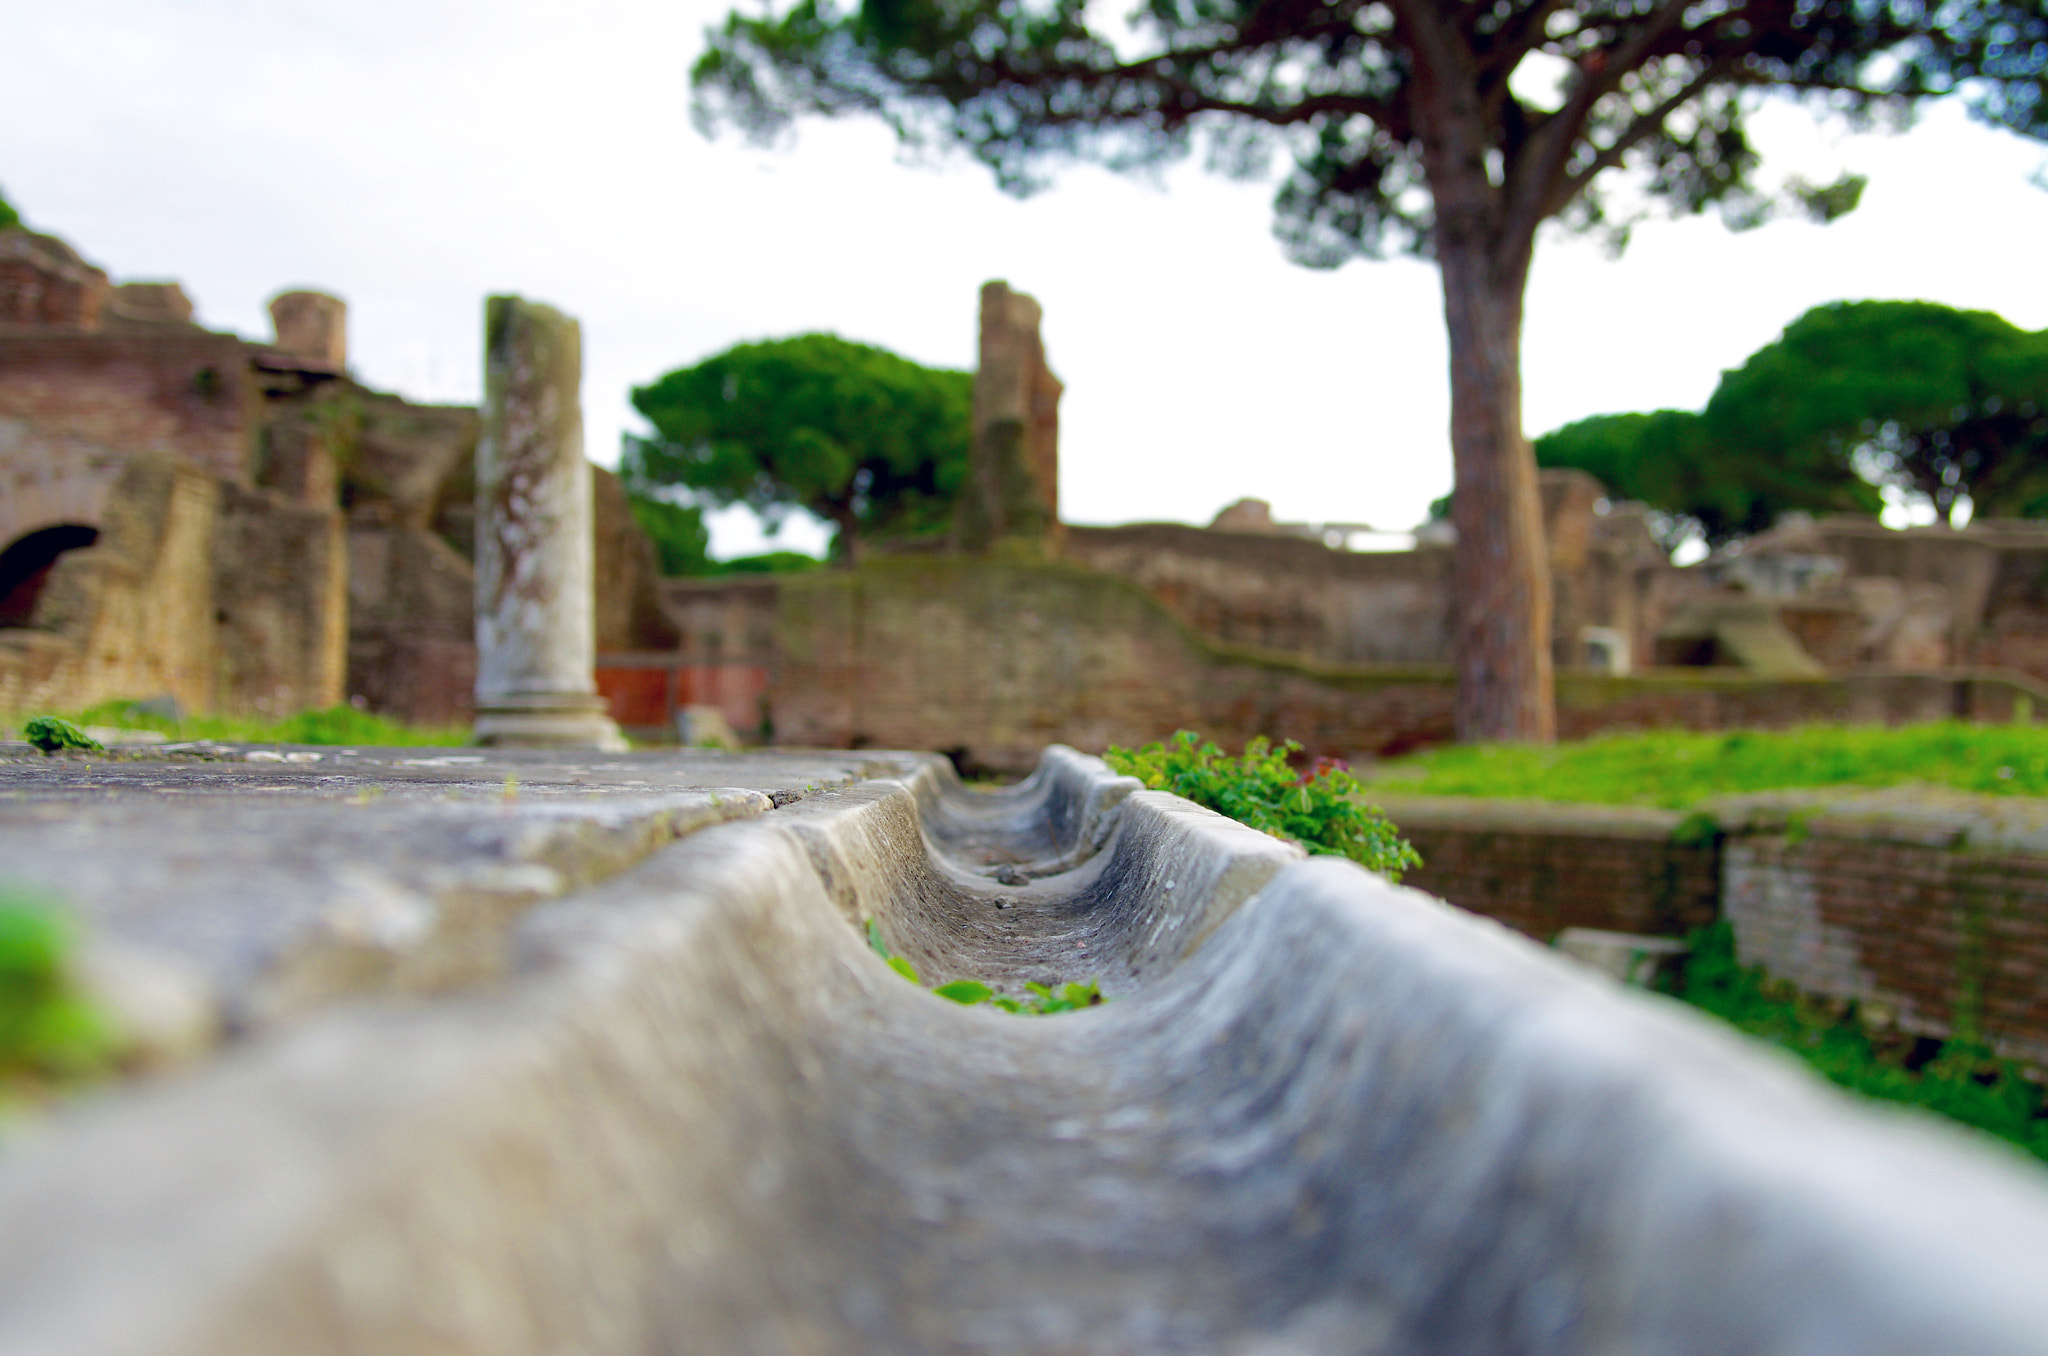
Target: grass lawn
x,y
335,725
1677,768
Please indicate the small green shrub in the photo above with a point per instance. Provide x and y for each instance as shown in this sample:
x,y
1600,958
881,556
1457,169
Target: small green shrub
x,y
51,733
1698,829
47,1031
1039,1000
1963,1080
1323,809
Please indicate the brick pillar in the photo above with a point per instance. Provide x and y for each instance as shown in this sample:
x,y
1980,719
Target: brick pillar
x,y
1013,469
311,326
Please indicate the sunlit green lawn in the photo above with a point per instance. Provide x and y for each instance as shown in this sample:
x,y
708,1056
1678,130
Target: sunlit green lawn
x,y
335,725
1679,768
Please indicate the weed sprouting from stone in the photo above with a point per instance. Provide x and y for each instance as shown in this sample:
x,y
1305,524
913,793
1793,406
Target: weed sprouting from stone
x,y
1039,1000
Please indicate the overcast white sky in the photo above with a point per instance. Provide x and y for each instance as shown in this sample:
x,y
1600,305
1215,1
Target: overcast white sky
x,y
415,157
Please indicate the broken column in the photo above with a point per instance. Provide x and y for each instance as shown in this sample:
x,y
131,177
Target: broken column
x,y
1013,470
535,634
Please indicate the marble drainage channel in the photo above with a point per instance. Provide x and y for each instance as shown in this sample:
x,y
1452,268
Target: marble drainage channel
x,y
1319,1114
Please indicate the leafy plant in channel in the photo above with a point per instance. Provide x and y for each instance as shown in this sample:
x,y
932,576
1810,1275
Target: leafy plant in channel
x,y
1323,809
1040,1000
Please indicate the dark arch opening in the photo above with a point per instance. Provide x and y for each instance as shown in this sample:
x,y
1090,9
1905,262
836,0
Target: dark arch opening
x,y
25,568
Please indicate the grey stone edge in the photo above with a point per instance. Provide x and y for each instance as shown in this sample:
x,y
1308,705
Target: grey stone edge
x,y
609,1139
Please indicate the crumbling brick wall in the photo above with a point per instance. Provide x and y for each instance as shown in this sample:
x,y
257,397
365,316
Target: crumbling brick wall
x,y
131,615
1930,909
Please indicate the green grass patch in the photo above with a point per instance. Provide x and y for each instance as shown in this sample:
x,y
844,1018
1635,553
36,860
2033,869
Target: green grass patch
x,y
1678,768
1959,1079
335,725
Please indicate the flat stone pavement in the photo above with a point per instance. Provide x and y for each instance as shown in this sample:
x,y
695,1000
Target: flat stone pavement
x,y
226,888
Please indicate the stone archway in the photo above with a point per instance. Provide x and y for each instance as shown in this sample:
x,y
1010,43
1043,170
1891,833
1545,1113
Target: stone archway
x,y
50,477
26,564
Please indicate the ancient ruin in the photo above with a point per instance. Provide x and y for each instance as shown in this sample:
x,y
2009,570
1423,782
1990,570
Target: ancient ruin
x,y
1012,490
234,525
536,638
159,475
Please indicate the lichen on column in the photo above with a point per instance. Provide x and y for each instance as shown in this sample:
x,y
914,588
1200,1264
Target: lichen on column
x,y
535,633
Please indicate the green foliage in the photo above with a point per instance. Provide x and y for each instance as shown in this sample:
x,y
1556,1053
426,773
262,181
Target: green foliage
x,y
1039,1000
51,733
682,544
1963,1081
871,442
47,1031
9,218
1698,829
1851,396
1661,93
1678,768
1944,402
1670,460
1323,809
770,562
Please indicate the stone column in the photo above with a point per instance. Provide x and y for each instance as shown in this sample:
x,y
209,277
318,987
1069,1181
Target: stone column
x,y
1014,463
535,635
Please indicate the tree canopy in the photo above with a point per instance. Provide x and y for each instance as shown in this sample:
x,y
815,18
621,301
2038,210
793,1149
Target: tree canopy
x,y
1942,402
682,544
9,218
1449,127
1852,396
869,441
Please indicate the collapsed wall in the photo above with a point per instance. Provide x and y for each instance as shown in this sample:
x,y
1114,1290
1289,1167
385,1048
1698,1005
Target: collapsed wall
x,y
343,529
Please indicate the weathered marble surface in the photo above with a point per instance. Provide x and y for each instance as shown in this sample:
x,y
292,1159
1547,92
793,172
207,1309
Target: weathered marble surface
x,y
536,630
693,1112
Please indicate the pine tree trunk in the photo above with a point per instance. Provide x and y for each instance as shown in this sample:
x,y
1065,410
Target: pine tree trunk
x,y
1501,568
846,546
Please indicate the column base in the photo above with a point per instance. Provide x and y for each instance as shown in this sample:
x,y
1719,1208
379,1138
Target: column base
x,y
564,721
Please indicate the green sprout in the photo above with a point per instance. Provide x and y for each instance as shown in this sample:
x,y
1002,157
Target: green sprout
x,y
1039,1000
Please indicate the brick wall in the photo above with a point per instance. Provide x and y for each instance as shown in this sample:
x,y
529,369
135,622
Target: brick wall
x,y
132,615
1001,657
1933,905
1928,907
280,603
187,394
1541,868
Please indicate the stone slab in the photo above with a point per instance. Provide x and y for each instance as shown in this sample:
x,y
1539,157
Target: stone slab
x,y
262,882
695,1112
